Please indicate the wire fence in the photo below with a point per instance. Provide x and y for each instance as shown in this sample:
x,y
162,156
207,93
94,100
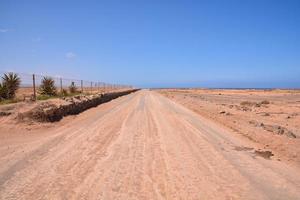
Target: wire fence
x,y
30,85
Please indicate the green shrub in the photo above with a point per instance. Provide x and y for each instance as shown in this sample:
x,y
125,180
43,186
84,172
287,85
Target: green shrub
x,y
47,87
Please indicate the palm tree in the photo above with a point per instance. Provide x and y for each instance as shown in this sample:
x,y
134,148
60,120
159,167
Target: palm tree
x,y
10,84
3,91
47,87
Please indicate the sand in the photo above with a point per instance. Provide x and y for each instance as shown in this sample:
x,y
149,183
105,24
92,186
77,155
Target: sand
x,y
269,118
140,146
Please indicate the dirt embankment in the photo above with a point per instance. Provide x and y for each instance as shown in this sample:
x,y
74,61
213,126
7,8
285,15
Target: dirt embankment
x,y
269,118
55,109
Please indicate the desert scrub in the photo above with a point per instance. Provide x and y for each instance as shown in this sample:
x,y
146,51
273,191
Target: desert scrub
x,y
64,92
47,87
9,101
73,88
247,103
250,104
60,95
265,102
44,97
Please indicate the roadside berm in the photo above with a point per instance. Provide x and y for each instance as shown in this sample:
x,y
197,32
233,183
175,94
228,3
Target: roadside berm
x,y
55,109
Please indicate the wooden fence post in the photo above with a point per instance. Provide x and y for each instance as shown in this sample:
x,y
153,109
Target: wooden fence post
x,y
61,88
33,84
81,84
91,87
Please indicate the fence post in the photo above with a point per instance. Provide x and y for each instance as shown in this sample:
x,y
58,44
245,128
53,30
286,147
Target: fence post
x,y
91,87
61,88
81,85
33,84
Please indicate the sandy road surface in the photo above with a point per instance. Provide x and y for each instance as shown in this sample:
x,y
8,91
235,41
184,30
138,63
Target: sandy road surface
x,y
141,146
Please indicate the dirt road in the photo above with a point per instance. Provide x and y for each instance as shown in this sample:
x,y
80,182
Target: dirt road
x,y
141,146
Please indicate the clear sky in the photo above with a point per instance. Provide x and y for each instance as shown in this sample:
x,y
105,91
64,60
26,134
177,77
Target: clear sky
x,y
209,43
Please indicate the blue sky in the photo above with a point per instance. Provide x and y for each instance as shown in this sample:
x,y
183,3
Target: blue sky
x,y
225,43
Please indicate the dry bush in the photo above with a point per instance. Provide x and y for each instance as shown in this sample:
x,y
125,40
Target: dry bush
x,y
265,102
64,92
250,104
73,88
247,103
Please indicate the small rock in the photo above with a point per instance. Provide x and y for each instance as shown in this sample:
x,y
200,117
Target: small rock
x,y
290,134
2,113
264,154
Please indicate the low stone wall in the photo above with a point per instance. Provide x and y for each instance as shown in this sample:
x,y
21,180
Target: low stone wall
x,y
73,106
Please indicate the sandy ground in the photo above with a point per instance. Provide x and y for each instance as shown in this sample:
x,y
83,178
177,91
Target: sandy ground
x,y
139,146
271,126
